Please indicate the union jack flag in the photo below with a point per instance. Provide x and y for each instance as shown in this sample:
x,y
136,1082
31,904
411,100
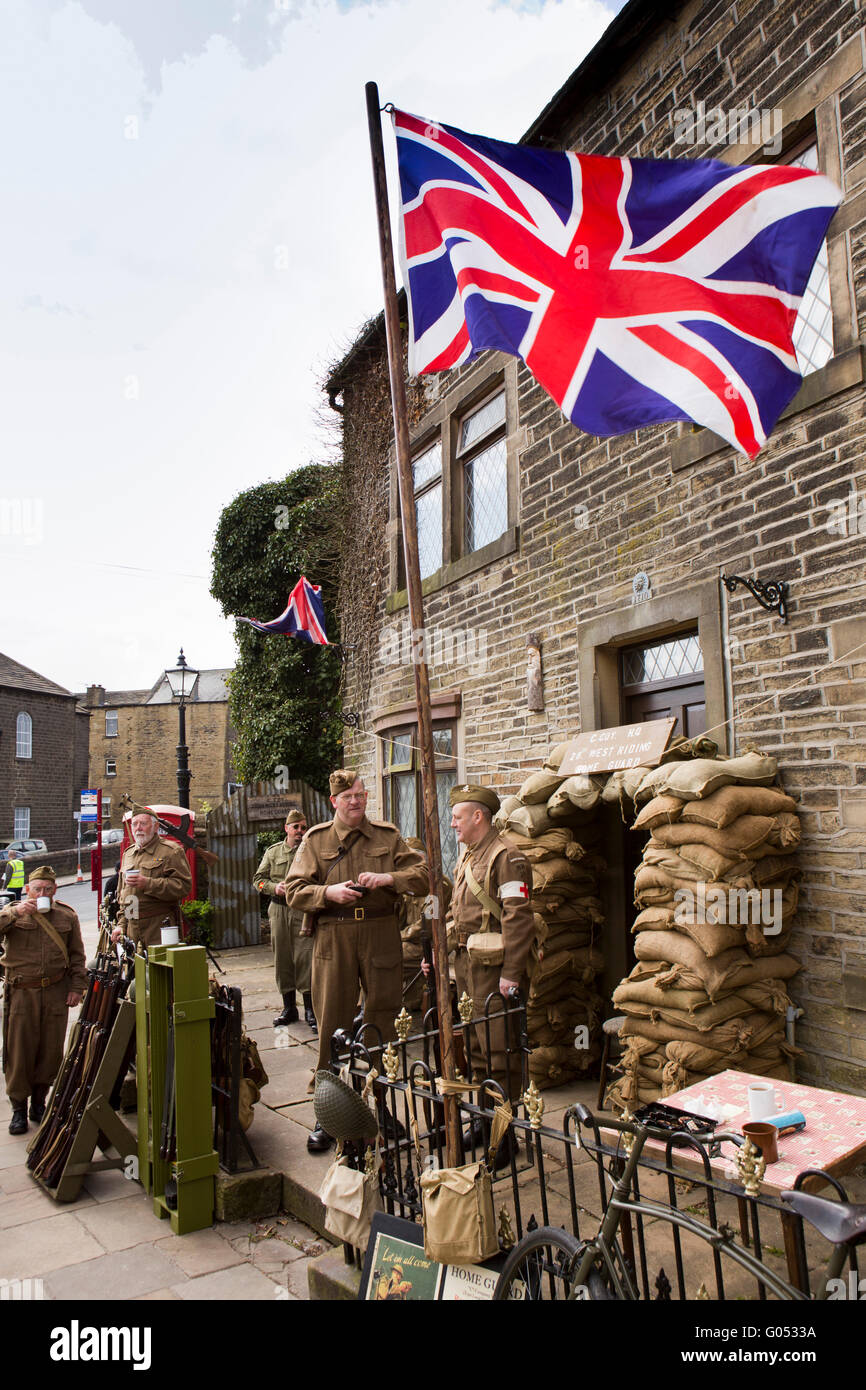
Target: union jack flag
x,y
635,290
303,616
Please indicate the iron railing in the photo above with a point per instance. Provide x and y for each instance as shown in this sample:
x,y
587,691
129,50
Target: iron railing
x,y
545,1181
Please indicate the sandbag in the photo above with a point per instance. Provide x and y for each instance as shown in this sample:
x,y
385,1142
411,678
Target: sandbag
x,y
621,785
579,792
727,804
735,842
555,757
529,821
700,777
712,937
539,787
675,949
654,919
556,870
690,861
662,810
506,806
548,845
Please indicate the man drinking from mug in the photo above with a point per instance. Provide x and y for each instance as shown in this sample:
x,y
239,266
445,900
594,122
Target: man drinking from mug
x,y
44,977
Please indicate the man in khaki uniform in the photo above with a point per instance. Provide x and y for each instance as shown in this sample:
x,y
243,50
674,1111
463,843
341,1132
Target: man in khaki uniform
x,y
155,877
293,953
357,940
492,885
45,976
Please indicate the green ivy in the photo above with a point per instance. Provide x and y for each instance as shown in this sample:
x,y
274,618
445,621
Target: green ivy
x,y
283,692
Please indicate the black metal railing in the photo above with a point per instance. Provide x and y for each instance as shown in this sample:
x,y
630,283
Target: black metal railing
x,y
546,1178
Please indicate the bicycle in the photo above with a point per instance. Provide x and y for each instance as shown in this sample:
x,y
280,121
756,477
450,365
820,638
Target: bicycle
x,y
550,1264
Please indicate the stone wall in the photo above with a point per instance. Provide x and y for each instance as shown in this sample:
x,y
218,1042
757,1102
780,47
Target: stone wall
x,y
683,507
43,782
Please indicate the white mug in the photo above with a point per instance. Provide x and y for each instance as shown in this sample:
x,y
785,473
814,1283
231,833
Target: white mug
x,y
43,904
762,1100
170,936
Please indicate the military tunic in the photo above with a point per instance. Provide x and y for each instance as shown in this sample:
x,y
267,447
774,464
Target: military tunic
x,y
169,880
293,953
498,869
359,942
36,1014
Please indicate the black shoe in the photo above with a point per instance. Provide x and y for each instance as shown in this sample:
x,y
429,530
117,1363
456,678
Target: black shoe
x,y
309,1015
290,1012
37,1109
18,1123
319,1141
474,1134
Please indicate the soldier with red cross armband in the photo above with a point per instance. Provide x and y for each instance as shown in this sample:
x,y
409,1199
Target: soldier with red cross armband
x,y
490,923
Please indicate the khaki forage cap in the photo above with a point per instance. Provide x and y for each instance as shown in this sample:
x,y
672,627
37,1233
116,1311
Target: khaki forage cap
x,y
342,780
45,873
485,796
295,817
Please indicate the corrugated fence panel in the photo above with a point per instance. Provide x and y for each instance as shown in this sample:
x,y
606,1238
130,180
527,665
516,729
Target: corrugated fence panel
x,y
232,829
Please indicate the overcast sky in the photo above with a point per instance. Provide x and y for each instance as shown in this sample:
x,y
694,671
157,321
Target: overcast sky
x,y
189,241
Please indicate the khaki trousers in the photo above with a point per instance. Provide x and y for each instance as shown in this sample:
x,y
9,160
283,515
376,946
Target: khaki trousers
x,y
478,981
34,1036
293,953
148,930
344,955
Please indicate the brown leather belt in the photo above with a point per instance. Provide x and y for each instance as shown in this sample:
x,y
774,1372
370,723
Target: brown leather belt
x,y
357,914
43,983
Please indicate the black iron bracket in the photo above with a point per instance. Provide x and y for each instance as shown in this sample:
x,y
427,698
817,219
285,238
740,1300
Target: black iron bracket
x,y
773,595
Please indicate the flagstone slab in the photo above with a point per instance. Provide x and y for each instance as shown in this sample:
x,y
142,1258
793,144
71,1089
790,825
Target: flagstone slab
x,y
36,1248
118,1276
243,1282
110,1186
120,1225
200,1252
30,1204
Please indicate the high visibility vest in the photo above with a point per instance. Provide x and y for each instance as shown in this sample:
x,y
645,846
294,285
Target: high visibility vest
x,y
17,879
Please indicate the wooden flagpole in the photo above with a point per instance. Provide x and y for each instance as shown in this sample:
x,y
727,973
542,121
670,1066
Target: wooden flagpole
x,y
416,617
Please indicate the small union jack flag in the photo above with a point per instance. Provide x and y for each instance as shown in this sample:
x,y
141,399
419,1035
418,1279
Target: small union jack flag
x,y
635,290
304,615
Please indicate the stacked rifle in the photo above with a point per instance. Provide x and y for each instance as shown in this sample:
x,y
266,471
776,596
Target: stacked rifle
x,y
107,983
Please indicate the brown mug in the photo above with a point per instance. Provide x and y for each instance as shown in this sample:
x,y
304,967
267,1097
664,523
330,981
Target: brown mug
x,y
765,1137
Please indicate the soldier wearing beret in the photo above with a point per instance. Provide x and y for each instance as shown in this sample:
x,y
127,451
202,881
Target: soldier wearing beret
x,y
492,885
44,978
350,872
293,951
155,877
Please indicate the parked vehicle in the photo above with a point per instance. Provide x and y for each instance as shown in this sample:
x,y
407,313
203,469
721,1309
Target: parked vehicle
x,y
26,848
112,837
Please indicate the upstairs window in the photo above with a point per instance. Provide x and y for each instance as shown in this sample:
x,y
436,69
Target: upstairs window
x,y
427,482
111,723
111,767
813,330
482,456
23,736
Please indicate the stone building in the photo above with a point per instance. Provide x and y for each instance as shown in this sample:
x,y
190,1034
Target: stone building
x,y
608,553
133,743
43,757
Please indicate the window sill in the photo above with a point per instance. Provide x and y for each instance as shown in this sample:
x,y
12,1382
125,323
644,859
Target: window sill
x,y
840,373
504,545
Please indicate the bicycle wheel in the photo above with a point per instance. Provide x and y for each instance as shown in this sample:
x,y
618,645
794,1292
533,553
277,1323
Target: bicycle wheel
x,y
540,1269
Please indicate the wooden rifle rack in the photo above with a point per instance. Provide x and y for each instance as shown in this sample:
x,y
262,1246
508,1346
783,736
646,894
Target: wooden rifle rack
x,y
176,977
100,1125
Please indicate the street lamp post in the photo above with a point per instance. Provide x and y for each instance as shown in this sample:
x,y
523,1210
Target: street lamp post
x,y
181,680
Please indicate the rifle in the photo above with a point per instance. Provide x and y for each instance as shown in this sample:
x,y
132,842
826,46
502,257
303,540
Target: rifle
x,y
177,832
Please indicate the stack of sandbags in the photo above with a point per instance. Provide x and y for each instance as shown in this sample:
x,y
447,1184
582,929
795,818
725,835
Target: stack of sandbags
x,y
552,821
717,891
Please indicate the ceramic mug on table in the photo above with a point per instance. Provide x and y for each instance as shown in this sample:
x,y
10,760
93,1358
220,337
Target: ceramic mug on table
x,y
765,1137
762,1100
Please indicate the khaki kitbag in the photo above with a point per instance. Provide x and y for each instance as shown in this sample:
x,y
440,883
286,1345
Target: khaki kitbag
x,y
351,1200
457,1204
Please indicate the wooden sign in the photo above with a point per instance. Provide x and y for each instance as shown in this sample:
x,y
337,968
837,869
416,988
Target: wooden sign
x,y
273,807
607,750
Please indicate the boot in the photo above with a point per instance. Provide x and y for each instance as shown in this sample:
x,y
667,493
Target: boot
x,y
18,1124
309,1016
290,1011
319,1140
37,1104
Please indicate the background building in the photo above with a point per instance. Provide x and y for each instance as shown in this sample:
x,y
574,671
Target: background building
x,y
608,553
43,757
133,743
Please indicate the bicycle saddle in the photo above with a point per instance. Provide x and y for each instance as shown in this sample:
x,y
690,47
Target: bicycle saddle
x,y
843,1223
